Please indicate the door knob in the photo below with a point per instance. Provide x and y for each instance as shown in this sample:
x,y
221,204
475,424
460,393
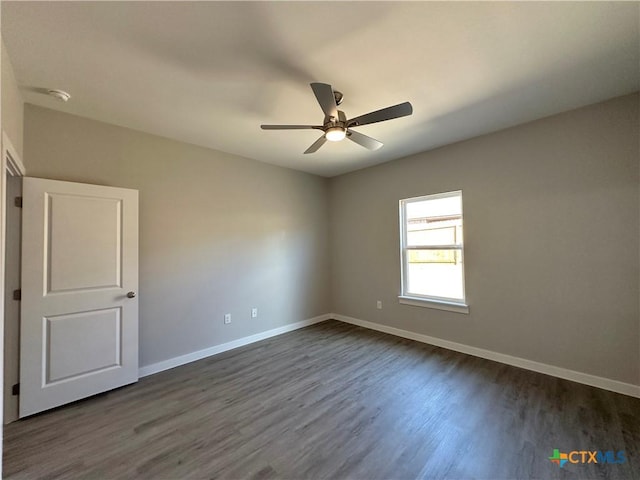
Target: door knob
x,y
131,294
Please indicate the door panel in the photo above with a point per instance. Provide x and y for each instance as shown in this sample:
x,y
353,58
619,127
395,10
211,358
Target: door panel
x,y
84,242
96,339
79,329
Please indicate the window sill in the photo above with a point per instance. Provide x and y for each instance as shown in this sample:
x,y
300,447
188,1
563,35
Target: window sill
x,y
438,305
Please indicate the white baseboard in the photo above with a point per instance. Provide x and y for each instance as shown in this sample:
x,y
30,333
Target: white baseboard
x,y
585,378
207,352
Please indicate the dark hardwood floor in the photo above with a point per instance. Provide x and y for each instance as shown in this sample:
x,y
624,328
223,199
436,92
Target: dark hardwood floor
x,y
332,401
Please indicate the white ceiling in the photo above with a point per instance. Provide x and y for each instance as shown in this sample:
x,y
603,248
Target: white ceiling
x,y
209,73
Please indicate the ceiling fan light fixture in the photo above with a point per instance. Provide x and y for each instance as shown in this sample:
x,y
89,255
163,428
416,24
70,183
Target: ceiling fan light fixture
x,y
335,134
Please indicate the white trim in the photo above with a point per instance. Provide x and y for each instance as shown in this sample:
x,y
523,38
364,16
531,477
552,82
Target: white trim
x,y
207,352
579,377
10,164
13,165
431,303
3,196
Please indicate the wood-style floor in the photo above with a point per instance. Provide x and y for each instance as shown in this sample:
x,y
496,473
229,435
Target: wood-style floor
x,y
331,401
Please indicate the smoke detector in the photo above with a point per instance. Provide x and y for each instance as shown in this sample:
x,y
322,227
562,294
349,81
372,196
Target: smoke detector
x,y
59,94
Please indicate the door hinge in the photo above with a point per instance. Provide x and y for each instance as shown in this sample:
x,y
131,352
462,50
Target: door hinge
x,y
15,390
18,202
17,294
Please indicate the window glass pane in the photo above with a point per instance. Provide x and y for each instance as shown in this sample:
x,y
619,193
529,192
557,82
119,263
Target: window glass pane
x,y
435,273
433,256
435,207
425,232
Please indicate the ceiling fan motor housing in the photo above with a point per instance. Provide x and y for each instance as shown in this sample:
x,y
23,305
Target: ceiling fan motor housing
x,y
331,121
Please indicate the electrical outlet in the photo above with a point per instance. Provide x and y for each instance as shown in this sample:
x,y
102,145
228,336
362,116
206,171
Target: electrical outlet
x,y
379,304
227,318
254,313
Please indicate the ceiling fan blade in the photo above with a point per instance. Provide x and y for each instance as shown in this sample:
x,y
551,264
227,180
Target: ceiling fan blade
x,y
316,145
324,95
290,127
363,140
389,113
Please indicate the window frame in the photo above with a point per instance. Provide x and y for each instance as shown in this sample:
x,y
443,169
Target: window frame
x,y
458,305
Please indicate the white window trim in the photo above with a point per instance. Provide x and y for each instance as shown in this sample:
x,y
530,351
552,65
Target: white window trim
x,y
447,304
435,304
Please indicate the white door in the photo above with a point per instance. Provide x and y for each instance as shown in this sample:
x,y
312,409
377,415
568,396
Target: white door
x,y
79,310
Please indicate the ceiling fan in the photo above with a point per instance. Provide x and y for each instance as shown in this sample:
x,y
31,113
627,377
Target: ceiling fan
x,y
336,127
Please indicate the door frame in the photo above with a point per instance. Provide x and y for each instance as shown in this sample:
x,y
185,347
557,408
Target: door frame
x,y
10,164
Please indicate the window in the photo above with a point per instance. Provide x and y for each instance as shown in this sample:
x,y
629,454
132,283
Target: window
x,y
431,248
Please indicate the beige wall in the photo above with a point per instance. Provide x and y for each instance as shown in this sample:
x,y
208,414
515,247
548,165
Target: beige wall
x,y
12,104
546,278
218,233
551,240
